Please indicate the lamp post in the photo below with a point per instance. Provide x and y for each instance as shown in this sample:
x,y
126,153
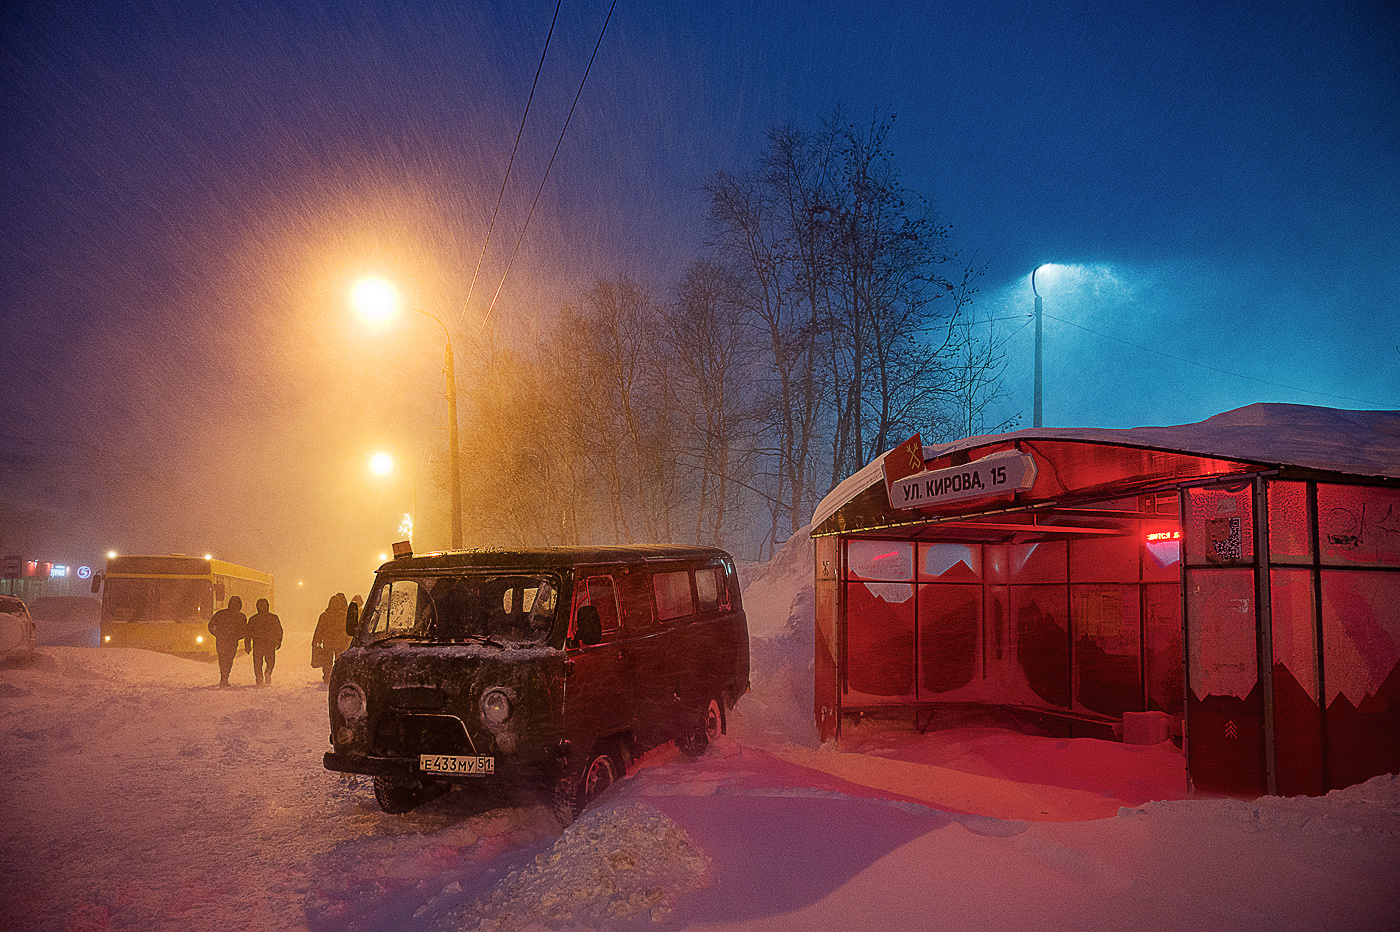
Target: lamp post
x,y
1035,410
377,300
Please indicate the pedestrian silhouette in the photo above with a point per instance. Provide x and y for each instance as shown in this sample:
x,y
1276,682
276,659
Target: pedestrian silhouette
x,y
330,638
229,626
265,635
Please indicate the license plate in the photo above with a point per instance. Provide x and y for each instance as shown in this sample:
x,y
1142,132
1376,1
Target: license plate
x,y
452,763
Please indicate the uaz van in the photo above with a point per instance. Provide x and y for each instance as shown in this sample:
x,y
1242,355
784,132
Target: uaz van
x,y
548,669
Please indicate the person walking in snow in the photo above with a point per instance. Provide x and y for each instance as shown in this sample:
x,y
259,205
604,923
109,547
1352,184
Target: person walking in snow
x,y
229,626
265,635
330,638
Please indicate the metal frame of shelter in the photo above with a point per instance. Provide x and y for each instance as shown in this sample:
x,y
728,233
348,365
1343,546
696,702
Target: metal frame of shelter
x,y
1239,579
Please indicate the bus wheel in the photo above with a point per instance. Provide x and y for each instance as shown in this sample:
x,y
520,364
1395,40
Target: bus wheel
x,y
397,796
702,733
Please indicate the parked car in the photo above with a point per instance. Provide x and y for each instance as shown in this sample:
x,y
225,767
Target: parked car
x,y
547,670
17,632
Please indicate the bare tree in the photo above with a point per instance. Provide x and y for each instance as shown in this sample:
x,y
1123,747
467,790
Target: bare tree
x,y
751,229
977,358
889,298
842,274
708,345
819,330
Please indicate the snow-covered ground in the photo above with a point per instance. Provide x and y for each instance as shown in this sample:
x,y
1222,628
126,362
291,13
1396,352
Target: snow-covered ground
x,y
138,795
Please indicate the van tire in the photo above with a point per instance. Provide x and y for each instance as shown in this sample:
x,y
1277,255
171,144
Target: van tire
x,y
702,733
397,796
604,768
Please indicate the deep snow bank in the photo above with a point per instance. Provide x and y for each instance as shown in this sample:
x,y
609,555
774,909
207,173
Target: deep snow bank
x,y
615,864
779,600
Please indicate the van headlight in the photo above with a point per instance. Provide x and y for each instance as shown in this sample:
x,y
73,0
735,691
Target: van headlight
x,y
495,707
351,702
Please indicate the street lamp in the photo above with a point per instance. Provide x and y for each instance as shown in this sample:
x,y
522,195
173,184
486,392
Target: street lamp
x,y
377,300
381,464
1035,410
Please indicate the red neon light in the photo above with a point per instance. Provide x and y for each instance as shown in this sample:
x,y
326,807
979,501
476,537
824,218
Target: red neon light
x,y
1163,535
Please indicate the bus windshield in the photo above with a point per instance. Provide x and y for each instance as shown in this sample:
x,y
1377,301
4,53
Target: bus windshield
x,y
507,610
154,600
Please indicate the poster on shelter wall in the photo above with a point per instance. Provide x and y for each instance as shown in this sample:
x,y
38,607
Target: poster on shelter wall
x,y
1221,639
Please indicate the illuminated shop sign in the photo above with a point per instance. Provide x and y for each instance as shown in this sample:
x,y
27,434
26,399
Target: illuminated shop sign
x,y
1157,537
998,474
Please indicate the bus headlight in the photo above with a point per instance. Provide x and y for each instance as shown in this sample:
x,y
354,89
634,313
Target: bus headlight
x,y
351,702
106,638
199,639
495,707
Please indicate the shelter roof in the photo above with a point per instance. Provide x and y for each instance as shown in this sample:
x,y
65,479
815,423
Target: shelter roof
x,y
1353,443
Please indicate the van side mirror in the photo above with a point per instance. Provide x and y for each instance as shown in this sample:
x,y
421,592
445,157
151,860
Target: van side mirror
x,y
97,582
590,625
352,619
219,591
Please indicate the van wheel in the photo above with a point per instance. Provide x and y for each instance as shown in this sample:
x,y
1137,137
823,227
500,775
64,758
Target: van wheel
x,y
396,796
604,769
697,741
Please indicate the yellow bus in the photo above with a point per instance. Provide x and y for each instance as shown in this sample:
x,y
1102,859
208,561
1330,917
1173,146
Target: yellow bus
x,y
164,603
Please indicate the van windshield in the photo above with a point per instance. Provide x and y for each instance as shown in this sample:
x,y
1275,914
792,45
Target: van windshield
x,y
506,610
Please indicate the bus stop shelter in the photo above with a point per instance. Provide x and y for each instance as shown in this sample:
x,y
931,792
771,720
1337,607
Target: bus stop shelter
x,y
1235,581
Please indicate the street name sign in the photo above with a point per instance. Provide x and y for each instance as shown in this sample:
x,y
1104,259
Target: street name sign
x,y
998,474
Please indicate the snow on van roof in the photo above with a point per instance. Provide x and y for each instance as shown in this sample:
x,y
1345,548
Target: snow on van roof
x,y
1356,443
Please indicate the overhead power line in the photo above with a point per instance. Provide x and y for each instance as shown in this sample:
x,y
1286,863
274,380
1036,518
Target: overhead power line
x,y
557,144
518,133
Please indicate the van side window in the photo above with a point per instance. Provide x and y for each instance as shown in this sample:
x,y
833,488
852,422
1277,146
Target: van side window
x,y
598,591
672,591
708,586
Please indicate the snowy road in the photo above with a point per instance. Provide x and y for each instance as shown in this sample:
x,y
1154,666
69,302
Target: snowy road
x,y
139,796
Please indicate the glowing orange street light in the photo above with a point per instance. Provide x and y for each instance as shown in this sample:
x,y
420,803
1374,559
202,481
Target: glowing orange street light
x,y
381,464
377,300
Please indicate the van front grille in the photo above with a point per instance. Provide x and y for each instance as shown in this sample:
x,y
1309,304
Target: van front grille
x,y
400,734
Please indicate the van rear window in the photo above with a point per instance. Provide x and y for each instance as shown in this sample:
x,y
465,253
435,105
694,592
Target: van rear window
x,y
672,592
707,588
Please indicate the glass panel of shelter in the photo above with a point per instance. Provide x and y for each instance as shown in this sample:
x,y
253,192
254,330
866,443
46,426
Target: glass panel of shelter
x,y
992,622
1225,702
1334,550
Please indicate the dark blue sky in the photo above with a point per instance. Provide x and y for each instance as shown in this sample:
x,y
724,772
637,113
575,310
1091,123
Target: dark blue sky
x,y
189,187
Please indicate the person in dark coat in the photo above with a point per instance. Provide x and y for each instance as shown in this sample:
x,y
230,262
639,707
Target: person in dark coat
x,y
330,638
265,634
229,626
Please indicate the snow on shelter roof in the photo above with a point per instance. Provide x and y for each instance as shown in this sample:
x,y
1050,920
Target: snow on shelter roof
x,y
1355,443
